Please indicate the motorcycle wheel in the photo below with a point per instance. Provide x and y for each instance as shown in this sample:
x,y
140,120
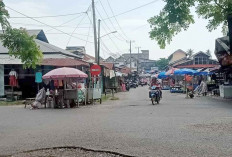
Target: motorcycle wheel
x,y
152,100
157,100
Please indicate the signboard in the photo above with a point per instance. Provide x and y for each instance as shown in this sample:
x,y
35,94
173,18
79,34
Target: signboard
x,y
95,70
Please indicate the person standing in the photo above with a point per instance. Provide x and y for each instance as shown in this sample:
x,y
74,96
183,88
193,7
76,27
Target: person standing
x,y
203,87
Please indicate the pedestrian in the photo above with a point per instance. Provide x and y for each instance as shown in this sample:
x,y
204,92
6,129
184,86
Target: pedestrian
x,y
203,87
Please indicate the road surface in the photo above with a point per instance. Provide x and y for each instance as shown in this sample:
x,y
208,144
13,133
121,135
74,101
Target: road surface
x,y
131,125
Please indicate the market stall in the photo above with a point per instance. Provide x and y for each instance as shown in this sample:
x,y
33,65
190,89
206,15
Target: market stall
x,y
68,83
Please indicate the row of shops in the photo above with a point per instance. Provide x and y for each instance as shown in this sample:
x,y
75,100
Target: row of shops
x,y
28,82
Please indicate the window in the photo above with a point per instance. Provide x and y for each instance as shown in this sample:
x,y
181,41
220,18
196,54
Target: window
x,y
204,60
196,61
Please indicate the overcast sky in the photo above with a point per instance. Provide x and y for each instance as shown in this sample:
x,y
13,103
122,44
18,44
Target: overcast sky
x,y
129,26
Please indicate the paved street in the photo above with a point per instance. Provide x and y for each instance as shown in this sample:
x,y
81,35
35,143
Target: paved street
x,y
131,125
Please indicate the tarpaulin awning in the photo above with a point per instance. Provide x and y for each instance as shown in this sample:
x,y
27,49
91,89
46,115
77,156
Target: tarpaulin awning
x,y
185,71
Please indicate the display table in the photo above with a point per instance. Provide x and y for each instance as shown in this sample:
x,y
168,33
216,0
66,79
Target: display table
x,y
225,91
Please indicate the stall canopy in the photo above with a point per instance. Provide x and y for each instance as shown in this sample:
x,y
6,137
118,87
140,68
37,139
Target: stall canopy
x,y
162,75
62,73
185,71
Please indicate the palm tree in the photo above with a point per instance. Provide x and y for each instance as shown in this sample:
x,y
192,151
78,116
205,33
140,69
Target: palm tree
x,y
208,52
190,52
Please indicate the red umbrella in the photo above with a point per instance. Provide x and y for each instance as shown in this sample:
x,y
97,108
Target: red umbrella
x,y
62,73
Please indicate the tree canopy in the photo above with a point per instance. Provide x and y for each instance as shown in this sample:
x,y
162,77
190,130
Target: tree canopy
x,y
176,16
20,44
162,63
190,52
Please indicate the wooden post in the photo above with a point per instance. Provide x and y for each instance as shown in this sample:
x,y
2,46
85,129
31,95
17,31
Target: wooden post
x,y
186,86
77,94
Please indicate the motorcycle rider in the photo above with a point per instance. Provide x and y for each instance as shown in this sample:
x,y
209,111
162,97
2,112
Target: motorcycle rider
x,y
156,83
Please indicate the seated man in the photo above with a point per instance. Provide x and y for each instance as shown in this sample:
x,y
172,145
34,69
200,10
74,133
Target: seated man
x,y
154,82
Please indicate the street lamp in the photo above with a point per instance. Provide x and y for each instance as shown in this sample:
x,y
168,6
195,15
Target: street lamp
x,y
99,38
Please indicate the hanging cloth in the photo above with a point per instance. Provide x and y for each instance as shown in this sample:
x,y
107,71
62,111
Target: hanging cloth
x,y
13,78
38,77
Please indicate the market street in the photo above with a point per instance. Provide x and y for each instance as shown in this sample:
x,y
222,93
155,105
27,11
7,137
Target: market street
x,y
177,127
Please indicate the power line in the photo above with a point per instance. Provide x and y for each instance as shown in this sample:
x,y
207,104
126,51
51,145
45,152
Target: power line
x,y
108,26
116,19
125,12
50,15
101,39
62,24
47,24
27,24
88,34
72,19
108,17
70,33
75,29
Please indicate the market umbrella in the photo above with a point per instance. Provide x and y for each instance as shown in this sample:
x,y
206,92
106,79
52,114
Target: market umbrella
x,y
162,75
62,73
185,71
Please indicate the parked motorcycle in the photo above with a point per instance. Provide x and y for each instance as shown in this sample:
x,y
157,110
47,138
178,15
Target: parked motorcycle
x,y
127,86
154,95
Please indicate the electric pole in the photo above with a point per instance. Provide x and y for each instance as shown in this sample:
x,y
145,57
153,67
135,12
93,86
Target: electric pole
x,y
99,38
138,59
229,19
95,31
130,52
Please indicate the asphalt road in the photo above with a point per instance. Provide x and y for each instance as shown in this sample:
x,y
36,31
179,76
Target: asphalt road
x,y
131,125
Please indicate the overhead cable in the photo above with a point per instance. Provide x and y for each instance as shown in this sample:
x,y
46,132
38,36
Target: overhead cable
x,y
125,12
49,16
47,25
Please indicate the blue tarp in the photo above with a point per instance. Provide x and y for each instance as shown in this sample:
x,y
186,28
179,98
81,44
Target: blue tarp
x,y
185,71
162,75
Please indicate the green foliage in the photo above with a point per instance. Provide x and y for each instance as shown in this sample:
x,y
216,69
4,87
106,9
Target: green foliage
x,y
3,16
176,16
162,63
190,52
208,52
20,44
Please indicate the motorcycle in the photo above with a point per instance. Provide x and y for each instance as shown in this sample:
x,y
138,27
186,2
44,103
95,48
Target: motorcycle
x,y
155,95
127,86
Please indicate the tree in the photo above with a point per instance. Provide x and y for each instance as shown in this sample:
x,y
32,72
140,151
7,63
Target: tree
x,y
20,44
176,16
208,52
190,52
162,63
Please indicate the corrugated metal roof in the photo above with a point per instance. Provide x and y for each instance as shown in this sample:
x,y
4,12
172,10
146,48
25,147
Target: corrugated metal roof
x,y
46,48
49,48
61,62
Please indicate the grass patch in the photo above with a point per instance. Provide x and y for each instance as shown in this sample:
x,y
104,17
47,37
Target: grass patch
x,y
11,103
105,97
114,98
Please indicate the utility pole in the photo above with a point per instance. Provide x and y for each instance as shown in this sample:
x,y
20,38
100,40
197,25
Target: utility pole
x,y
95,31
138,59
130,55
229,19
130,52
99,38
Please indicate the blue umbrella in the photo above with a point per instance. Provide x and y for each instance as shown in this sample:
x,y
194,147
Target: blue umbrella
x,y
185,71
162,75
202,73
